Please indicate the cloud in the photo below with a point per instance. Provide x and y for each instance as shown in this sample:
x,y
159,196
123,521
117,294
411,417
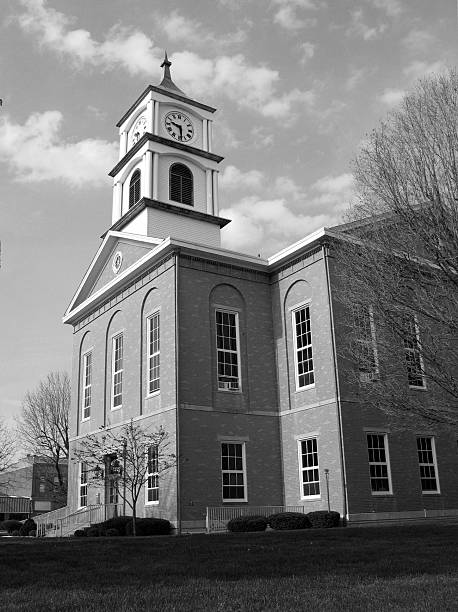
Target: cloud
x,y
356,76
233,178
418,69
418,42
261,138
185,30
307,51
392,8
287,17
392,97
122,47
248,86
35,152
360,29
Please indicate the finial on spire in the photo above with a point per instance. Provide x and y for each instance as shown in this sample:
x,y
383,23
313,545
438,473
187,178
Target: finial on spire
x,y
167,78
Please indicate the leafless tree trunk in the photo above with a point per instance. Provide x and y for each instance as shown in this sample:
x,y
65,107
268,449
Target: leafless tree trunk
x,y
7,451
43,425
399,255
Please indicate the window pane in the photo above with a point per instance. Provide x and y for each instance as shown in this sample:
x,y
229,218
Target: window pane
x,y
303,352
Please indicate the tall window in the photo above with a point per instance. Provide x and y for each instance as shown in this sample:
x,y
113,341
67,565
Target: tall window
x,y
181,184
412,347
117,357
428,464
233,471
134,188
83,486
309,469
153,331
227,350
379,466
303,353
152,482
113,491
366,346
87,385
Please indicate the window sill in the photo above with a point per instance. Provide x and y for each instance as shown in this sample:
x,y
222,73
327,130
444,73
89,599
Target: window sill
x,y
311,498
152,503
114,408
154,394
86,419
235,501
382,494
416,388
234,391
431,493
312,386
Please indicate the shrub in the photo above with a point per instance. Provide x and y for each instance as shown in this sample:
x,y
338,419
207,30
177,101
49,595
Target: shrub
x,y
79,533
15,532
110,533
322,518
289,520
27,526
149,527
92,532
117,522
11,525
33,533
247,523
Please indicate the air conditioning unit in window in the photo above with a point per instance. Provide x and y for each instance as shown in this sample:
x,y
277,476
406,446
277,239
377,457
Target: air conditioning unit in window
x,y
230,385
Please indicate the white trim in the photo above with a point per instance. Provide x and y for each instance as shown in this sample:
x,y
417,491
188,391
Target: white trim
x,y
414,350
301,468
83,384
80,484
114,337
437,491
152,474
237,351
387,462
149,356
303,306
243,471
233,438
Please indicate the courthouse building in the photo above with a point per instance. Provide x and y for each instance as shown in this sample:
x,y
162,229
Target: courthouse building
x,y
236,356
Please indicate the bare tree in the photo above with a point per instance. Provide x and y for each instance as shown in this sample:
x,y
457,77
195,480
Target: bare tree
x,y
399,256
43,425
7,451
131,454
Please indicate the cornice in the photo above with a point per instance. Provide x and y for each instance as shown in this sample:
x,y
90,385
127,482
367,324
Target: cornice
x,y
168,93
147,136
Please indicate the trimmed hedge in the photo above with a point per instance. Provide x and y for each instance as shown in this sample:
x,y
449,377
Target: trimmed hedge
x,y
28,526
11,525
247,523
289,520
117,522
149,526
92,532
322,518
79,533
110,533
15,532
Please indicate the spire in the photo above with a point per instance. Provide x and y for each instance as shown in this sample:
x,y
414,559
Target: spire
x,y
167,82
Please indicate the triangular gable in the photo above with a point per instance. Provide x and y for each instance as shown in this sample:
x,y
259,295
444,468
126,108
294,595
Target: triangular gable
x,y
102,271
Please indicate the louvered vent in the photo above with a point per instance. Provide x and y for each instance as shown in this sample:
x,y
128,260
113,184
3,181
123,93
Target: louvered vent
x,y
181,184
134,188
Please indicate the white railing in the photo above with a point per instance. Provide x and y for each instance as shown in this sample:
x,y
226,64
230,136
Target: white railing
x,y
218,517
87,516
47,523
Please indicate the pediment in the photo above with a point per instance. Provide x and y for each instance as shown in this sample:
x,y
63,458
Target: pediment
x,y
127,249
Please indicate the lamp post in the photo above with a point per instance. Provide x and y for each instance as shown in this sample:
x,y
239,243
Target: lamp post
x,y
326,473
124,452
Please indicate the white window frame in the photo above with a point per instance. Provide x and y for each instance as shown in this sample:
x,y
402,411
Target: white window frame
x,y
86,387
152,479
385,463
120,371
151,354
227,388
303,469
113,491
304,306
82,485
429,464
372,342
234,500
416,350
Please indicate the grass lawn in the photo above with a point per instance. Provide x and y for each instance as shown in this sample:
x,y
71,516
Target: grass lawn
x,y
386,568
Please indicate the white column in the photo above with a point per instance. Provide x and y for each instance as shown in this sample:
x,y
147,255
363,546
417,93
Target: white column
x,y
155,175
117,202
148,170
209,192
215,193
209,136
122,144
156,118
149,116
205,135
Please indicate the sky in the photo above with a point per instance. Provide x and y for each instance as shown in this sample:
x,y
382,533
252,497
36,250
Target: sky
x,y
297,83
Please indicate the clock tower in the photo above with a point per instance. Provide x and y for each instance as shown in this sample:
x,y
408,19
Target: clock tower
x,y
166,180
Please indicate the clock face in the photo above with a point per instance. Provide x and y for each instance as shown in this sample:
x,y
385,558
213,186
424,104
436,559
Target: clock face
x,y
139,129
179,126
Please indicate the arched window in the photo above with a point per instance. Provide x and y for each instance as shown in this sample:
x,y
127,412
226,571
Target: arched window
x,y
181,184
134,188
